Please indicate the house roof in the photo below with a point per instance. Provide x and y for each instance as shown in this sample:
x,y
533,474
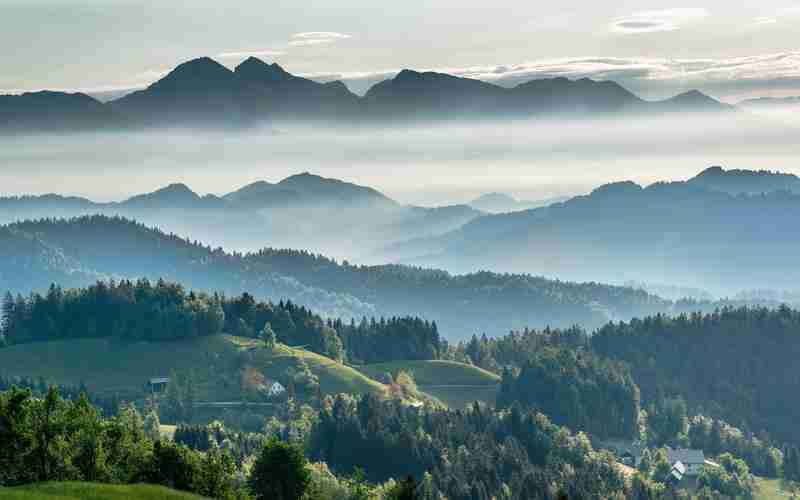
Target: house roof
x,y
686,456
678,471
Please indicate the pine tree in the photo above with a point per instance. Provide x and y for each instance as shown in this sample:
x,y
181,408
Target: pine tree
x,y
7,317
268,336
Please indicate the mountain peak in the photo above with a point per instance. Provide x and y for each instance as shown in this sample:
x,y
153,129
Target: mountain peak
x,y
175,188
201,66
255,69
408,74
617,189
200,73
176,194
695,97
712,172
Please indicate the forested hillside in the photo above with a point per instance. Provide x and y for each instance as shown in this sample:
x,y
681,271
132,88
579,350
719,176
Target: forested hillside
x,y
735,364
662,233
161,311
477,454
578,390
79,251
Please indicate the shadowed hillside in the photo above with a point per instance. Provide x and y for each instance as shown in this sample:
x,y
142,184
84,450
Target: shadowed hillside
x,y
80,251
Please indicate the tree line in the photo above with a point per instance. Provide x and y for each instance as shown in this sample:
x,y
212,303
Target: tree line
x,y
560,373
477,454
733,364
163,311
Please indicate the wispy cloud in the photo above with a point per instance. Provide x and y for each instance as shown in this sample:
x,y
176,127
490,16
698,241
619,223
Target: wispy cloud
x,y
764,20
777,17
657,20
251,53
316,38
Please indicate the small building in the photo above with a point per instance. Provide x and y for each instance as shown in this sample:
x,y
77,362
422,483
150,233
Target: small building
x,y
276,389
692,461
157,385
677,472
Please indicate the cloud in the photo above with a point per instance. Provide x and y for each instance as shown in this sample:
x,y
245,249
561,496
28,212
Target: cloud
x,y
314,35
651,21
777,17
316,38
251,53
764,20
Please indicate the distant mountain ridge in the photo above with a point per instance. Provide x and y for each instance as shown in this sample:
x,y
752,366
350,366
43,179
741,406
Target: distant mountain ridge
x,y
723,231
203,92
301,211
737,181
770,101
501,203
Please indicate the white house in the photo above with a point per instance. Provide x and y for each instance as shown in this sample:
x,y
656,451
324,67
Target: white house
x,y
276,389
158,384
692,460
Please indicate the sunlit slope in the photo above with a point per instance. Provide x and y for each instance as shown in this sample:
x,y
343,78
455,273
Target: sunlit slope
x,y
110,367
455,384
92,491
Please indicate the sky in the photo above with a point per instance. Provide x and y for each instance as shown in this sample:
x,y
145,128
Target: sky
x,y
730,50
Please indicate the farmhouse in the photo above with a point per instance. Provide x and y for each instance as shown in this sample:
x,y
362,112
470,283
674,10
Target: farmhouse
x,y
157,384
276,389
692,461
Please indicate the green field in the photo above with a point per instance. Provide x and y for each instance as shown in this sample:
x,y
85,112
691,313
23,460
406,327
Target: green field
x,y
770,489
461,397
454,384
435,372
107,367
91,491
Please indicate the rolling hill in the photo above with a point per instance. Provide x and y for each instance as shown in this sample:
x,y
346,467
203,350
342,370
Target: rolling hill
x,y
79,251
107,367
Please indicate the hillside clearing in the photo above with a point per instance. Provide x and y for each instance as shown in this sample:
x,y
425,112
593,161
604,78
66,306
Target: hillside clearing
x,y
770,489
454,384
436,372
92,491
108,367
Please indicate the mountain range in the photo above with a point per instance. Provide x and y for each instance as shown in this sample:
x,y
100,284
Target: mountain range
x,y
302,211
724,231
691,234
203,92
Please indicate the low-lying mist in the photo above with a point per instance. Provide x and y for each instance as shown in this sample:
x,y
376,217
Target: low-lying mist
x,y
420,164
438,165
